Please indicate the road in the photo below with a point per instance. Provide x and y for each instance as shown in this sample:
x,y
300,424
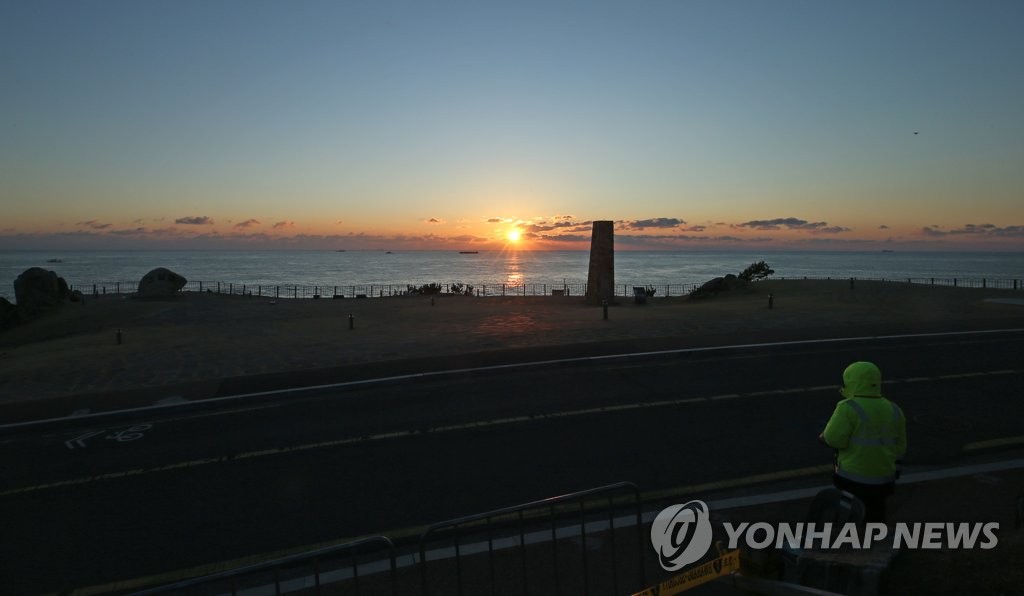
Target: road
x,y
86,504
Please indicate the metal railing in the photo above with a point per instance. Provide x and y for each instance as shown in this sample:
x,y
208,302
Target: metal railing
x,y
538,522
478,539
303,572
989,283
328,290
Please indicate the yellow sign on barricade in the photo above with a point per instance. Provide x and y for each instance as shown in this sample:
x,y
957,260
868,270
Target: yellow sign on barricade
x,y
721,566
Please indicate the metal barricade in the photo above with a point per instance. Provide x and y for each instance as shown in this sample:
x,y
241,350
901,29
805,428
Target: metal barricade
x,y
513,530
347,565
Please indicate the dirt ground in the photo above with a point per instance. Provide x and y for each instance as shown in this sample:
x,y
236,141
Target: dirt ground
x,y
198,336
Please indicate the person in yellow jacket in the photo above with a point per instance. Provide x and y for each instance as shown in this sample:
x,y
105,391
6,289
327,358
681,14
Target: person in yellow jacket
x,y
869,434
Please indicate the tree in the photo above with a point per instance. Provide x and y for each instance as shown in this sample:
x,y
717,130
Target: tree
x,y
756,271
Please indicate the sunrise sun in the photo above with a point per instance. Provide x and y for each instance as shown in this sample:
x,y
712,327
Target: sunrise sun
x,y
513,235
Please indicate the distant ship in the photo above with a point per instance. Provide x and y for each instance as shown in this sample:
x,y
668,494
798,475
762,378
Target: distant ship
x,y
469,252
340,250
53,261
886,250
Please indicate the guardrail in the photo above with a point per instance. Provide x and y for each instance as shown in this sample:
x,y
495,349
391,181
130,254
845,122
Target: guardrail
x,y
545,526
540,520
296,573
329,290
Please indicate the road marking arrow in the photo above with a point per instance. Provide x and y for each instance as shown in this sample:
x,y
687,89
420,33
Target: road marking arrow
x,y
80,441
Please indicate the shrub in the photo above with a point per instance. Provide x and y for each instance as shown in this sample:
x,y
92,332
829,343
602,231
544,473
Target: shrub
x,y
756,271
431,288
460,289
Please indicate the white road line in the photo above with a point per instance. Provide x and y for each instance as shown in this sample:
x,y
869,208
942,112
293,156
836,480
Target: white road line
x,y
443,429
540,363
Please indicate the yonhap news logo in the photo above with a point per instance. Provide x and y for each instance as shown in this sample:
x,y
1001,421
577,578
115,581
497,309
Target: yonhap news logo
x,y
681,534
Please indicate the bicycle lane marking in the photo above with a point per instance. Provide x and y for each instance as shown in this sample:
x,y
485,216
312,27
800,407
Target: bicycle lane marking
x,y
120,434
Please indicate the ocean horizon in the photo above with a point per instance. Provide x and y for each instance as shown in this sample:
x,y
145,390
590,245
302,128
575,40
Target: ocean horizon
x,y
82,268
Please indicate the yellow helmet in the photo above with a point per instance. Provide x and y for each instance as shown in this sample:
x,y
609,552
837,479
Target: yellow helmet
x,y
862,379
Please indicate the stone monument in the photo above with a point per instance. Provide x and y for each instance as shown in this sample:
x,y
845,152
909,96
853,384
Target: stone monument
x,y
601,277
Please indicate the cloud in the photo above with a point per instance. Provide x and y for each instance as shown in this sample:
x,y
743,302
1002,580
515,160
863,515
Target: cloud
x,y
791,223
559,237
663,241
883,227
467,238
434,220
1008,231
247,223
831,230
494,220
281,225
192,220
657,222
836,241
540,227
978,231
93,224
128,232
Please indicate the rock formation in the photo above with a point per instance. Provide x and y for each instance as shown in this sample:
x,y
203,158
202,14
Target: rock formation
x,y
160,283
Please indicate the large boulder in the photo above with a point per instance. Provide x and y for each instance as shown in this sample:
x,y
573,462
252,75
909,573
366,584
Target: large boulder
x,y
718,284
10,315
38,289
160,283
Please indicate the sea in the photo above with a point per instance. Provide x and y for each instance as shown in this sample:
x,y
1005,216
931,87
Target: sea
x,y
493,269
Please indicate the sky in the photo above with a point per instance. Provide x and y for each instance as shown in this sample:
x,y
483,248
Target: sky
x,y
458,125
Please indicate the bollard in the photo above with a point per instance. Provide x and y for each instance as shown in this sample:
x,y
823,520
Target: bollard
x,y
351,322
120,339
604,306
431,301
771,301
851,283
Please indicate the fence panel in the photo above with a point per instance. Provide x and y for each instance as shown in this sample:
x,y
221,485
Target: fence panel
x,y
331,289
366,566
567,544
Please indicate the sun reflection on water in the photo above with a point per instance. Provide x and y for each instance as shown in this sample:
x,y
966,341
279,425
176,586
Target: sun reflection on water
x,y
513,269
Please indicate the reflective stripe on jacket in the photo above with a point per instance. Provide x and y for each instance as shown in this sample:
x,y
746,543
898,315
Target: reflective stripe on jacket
x,y
870,434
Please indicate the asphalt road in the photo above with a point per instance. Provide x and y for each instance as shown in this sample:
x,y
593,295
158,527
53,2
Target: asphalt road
x,y
88,504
